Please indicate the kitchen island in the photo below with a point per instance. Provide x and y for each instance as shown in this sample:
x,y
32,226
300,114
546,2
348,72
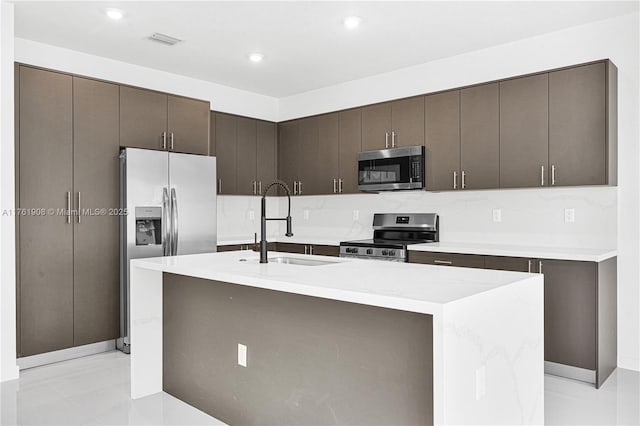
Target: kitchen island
x,y
341,341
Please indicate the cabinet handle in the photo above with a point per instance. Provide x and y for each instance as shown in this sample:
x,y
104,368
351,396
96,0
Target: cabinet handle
x,y
219,186
255,187
335,183
171,142
443,262
164,140
542,175
299,187
68,206
260,188
455,180
553,175
295,187
306,249
393,139
386,139
340,185
310,249
464,183
79,213
529,267
539,266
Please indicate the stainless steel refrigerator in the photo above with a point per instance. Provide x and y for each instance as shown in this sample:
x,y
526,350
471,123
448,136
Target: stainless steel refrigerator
x,y
171,210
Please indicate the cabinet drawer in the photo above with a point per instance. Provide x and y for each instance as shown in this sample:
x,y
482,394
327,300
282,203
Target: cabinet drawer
x,y
447,259
323,250
291,248
504,263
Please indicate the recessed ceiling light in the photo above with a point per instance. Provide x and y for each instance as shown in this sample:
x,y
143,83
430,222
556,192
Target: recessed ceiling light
x,y
352,22
256,57
115,14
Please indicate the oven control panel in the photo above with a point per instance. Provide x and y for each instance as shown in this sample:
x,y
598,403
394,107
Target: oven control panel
x,y
398,255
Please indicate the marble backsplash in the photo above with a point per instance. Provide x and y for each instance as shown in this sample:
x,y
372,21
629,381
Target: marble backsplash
x,y
529,216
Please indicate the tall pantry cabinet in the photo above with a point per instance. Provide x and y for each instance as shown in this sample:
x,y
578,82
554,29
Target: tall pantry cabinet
x,y
67,248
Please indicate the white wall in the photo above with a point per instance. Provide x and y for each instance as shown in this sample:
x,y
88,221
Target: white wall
x,y
8,368
222,98
532,216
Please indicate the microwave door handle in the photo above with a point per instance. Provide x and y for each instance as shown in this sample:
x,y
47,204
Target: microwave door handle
x,y
174,220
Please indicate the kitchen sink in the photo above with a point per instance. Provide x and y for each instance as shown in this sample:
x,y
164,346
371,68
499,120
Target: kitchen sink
x,y
296,261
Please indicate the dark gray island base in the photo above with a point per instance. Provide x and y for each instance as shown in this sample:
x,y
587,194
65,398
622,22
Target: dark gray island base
x,y
310,360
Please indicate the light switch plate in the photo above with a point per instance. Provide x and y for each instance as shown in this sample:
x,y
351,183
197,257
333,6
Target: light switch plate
x,y
481,382
306,215
356,214
569,215
497,215
242,355
252,215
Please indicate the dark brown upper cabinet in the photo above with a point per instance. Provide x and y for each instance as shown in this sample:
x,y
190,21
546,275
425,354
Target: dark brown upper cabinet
x,y
246,134
226,152
246,153
524,132
329,153
310,169
393,124
350,141
442,142
289,153
212,133
582,125
155,120
479,137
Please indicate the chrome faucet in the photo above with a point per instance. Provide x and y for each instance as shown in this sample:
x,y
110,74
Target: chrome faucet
x,y
264,218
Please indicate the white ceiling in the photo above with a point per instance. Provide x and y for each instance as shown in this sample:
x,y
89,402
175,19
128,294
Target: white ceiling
x,y
305,44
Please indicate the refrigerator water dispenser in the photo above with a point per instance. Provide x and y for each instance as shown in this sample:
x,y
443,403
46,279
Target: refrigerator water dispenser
x,y
148,226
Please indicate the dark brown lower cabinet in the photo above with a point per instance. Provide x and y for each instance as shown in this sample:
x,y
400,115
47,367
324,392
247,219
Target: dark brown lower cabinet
x,y
317,249
447,259
505,263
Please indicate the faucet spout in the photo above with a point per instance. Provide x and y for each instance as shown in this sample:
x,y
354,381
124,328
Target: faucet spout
x,y
264,218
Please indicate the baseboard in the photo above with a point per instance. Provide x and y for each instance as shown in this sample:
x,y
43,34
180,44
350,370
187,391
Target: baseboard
x,y
570,372
629,363
65,354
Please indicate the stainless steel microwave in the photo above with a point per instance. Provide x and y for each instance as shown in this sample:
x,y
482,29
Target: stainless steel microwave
x,y
391,169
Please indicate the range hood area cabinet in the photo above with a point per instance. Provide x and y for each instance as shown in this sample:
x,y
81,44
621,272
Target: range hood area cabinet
x,y
394,124
246,153
67,158
556,128
156,120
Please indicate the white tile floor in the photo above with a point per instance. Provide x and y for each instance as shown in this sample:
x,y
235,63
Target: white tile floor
x,y
95,391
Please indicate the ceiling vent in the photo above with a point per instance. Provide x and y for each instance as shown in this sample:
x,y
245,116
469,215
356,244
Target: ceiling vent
x,y
164,39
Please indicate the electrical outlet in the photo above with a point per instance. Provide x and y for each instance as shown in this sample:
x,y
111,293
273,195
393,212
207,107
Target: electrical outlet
x,y
497,215
481,382
569,215
252,215
356,214
242,355
306,215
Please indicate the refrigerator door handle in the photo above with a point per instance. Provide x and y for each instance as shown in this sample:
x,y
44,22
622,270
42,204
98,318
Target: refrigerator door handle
x,y
166,236
174,221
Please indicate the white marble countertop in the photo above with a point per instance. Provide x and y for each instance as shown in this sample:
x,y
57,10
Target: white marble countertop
x,y
559,253
403,286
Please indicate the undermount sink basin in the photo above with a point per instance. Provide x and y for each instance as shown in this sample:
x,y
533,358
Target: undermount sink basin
x,y
295,261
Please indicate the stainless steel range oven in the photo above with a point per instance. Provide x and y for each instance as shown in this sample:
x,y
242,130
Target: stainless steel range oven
x,y
391,169
392,233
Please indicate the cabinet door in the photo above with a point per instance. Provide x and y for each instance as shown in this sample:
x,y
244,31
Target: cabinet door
x,y
504,263
479,137
376,126
291,248
288,153
226,153
407,122
267,153
442,142
350,127
188,124
143,118
570,312
230,247
324,250
577,125
447,259
246,182
45,254
96,289
310,175
212,134
524,132
328,158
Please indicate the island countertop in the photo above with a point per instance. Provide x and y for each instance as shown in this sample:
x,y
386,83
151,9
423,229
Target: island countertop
x,y
394,285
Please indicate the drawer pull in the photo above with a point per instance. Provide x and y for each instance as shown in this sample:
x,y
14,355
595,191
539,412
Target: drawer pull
x,y
443,262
